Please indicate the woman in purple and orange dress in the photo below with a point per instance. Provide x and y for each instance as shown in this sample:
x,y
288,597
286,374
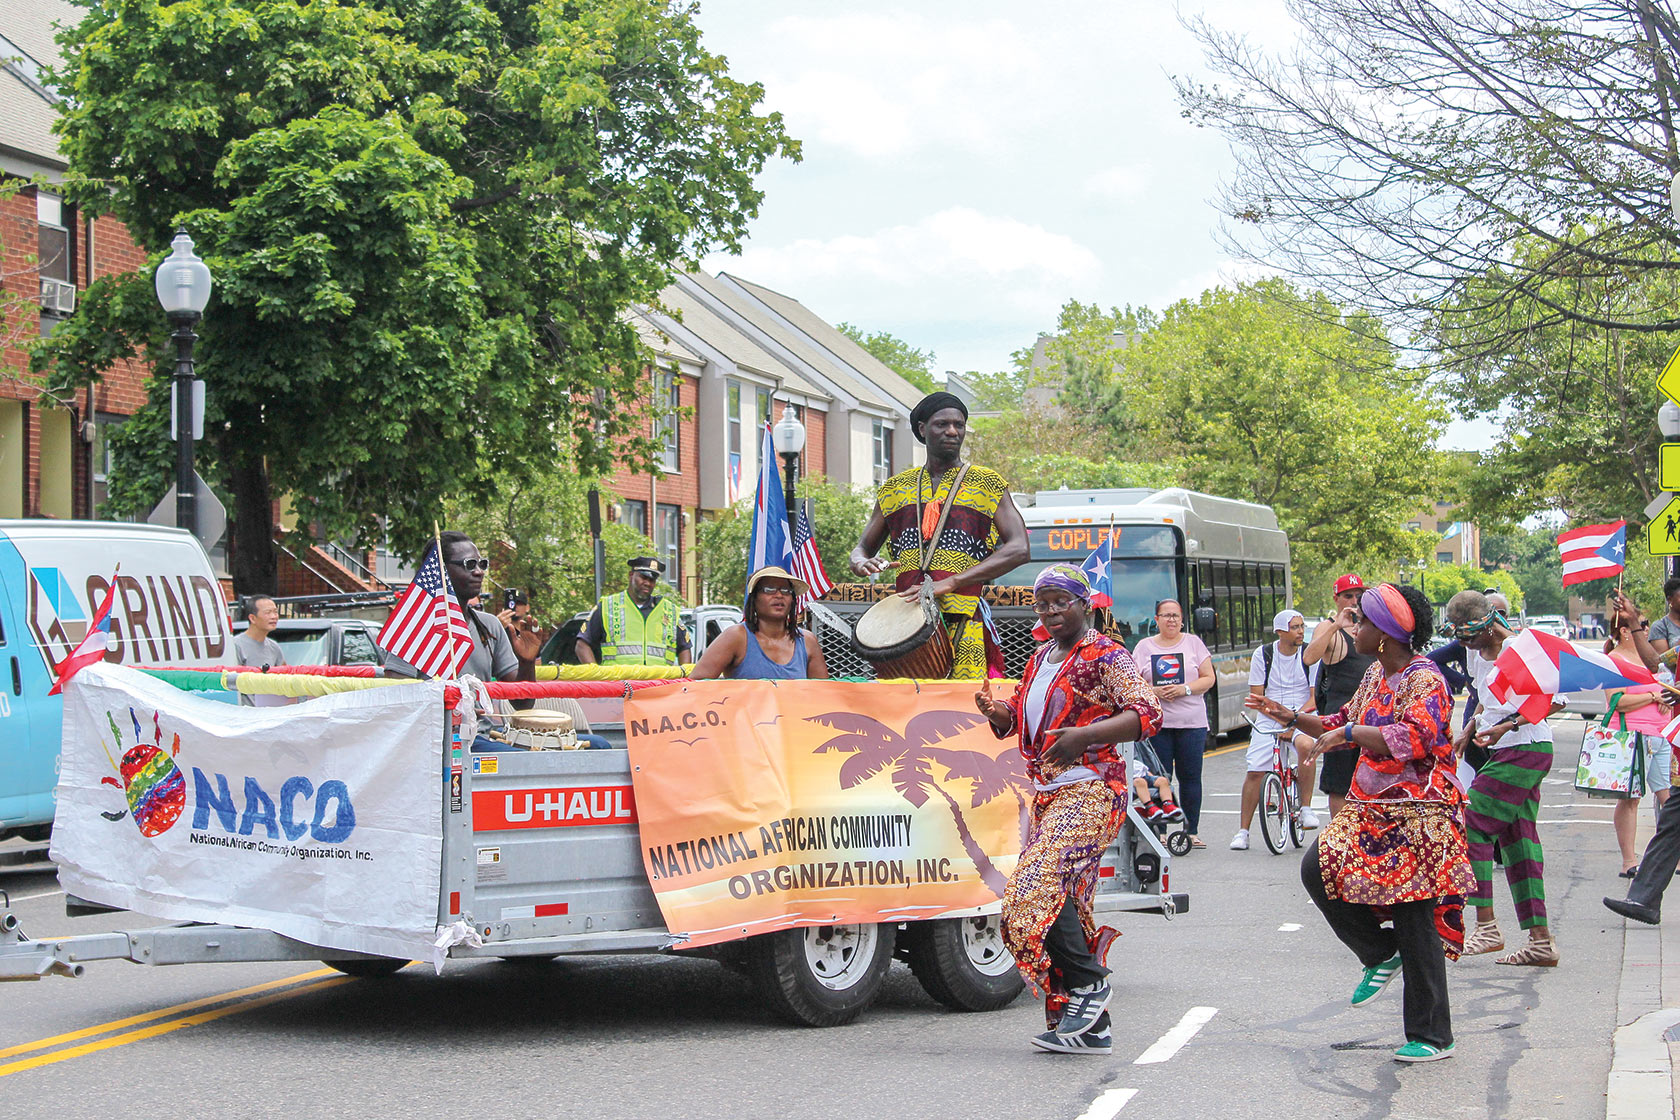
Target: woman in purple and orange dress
x,y
1080,695
1397,849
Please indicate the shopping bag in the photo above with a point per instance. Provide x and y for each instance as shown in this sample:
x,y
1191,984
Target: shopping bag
x,y
1612,763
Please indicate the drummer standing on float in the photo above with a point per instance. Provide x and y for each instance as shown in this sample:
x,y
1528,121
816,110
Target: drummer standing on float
x,y
983,536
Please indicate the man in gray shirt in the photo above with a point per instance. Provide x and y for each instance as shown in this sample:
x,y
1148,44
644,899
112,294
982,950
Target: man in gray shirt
x,y
254,648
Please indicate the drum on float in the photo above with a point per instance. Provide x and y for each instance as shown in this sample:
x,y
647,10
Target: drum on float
x,y
905,639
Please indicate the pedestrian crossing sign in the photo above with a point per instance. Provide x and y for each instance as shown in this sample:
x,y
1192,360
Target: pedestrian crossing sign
x,y
1662,535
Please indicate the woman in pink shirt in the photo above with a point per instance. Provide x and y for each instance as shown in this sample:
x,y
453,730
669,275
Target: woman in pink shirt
x,y
1178,666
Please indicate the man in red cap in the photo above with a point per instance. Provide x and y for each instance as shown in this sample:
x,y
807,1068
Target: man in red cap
x,y
1340,671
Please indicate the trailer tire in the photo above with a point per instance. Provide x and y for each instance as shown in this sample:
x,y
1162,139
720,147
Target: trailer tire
x,y
821,976
963,962
376,968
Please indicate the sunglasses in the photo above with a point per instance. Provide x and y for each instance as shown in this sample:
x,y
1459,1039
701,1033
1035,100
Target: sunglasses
x,y
479,565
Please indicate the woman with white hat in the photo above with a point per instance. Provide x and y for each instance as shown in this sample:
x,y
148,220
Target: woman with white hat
x,y
767,645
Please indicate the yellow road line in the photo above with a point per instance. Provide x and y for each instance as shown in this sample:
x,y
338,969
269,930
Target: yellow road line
x,y
164,1028
163,1013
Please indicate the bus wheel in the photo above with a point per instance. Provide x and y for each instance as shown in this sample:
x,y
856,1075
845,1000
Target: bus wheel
x,y
822,976
374,968
963,962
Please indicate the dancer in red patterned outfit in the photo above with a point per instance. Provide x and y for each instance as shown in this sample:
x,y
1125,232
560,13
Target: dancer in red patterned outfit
x,y
1080,695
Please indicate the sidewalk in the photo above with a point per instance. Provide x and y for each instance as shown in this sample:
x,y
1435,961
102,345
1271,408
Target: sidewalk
x,y
1643,1079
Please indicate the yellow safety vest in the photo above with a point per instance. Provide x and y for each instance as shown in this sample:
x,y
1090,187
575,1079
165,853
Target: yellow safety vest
x,y
629,639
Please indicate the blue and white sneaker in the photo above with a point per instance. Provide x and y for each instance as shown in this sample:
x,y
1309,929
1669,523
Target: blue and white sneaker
x,y
1085,1007
1097,1040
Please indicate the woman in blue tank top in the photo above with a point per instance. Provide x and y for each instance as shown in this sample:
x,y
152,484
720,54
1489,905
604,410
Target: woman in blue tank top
x,y
767,646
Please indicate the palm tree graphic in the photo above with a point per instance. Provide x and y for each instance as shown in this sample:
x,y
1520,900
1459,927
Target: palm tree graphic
x,y
875,747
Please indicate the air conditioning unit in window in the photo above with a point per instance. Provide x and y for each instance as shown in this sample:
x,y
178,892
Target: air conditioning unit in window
x,y
58,295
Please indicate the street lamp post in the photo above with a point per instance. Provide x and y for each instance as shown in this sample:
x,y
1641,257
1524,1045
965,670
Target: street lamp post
x,y
788,436
183,288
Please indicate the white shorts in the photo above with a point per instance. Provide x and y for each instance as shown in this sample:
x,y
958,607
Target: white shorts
x,y
1260,750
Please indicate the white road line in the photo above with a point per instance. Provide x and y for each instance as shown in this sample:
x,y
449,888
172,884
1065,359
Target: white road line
x,y
1173,1041
1289,927
1108,1105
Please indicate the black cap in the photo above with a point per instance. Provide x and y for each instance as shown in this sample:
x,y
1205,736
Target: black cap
x,y
652,565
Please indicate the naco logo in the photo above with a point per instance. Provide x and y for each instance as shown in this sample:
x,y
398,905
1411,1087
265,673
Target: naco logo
x,y
325,812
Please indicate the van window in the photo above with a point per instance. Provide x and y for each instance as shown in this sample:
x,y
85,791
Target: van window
x,y
358,648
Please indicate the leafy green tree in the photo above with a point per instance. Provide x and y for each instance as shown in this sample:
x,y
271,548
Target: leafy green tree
x,y
1280,398
838,515
425,222
896,354
1403,150
1441,582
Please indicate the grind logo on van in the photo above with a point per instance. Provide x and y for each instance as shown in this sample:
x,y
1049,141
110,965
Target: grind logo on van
x,y
156,791
156,618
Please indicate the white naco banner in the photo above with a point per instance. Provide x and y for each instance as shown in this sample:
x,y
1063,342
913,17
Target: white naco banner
x,y
320,821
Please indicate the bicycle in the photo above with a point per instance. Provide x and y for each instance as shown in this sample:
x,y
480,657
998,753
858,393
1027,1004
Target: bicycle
x,y
1280,794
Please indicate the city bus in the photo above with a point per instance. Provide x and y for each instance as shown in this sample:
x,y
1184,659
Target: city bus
x,y
1225,561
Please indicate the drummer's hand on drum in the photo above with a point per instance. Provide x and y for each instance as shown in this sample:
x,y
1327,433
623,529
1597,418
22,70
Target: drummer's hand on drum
x,y
871,566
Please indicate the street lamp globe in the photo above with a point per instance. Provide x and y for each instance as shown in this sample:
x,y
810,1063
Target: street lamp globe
x,y
788,435
1668,419
183,280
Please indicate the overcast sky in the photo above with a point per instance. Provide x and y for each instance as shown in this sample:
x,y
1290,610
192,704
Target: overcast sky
x,y
968,167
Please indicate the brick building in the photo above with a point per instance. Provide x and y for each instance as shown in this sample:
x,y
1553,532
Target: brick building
x,y
52,440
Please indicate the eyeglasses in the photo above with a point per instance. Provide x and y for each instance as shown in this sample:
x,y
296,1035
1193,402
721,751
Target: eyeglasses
x,y
1053,608
786,592
479,565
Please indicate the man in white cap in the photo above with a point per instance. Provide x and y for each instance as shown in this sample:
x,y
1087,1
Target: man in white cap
x,y
1277,670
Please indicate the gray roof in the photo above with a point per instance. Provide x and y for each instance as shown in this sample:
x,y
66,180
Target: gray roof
x,y
26,113
859,363
728,340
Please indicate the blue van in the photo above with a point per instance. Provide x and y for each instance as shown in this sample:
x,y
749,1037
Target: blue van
x,y
169,609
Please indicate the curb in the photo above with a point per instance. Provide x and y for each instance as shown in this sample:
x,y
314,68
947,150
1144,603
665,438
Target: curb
x,y
1641,1077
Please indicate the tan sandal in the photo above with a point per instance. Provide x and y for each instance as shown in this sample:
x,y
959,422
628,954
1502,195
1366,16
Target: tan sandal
x,y
1486,938
1541,951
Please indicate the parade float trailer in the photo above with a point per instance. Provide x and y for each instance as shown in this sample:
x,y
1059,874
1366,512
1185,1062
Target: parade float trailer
x,y
806,832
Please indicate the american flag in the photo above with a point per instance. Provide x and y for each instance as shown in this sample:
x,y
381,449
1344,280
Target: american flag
x,y
807,563
427,629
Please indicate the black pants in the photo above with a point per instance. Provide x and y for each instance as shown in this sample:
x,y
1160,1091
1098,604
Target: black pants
x,y
1069,950
1662,855
1423,963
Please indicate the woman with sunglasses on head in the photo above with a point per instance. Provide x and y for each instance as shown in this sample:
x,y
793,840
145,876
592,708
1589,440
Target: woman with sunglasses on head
x,y
767,645
1180,669
1080,696
1397,850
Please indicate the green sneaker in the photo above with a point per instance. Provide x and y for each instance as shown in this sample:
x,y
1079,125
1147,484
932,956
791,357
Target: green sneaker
x,y
1376,978
1422,1052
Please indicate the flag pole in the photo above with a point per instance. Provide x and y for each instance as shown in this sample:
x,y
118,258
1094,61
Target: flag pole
x,y
448,590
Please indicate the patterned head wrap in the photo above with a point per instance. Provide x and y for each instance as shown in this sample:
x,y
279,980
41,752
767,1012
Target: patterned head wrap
x,y
1064,577
1475,626
1389,612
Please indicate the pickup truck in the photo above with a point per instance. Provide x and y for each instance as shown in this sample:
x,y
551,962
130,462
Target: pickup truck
x,y
538,892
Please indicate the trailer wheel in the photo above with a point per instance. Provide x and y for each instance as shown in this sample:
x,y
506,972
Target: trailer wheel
x,y
375,968
822,976
963,962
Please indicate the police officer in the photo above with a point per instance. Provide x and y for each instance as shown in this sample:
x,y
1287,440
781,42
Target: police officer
x,y
635,626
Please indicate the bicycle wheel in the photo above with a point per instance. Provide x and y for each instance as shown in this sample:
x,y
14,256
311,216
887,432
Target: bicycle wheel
x,y
1274,813
1297,835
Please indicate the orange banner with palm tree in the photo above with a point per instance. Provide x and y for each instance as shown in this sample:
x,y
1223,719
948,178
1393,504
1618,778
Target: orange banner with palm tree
x,y
766,805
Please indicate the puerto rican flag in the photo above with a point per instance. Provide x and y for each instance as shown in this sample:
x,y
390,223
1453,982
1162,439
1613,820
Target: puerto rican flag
x,y
732,481
1593,552
93,646
1096,570
1535,668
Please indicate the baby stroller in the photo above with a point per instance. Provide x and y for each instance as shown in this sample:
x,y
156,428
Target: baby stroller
x,y
1163,816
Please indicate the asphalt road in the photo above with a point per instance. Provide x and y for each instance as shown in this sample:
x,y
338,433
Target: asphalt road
x,y
1251,972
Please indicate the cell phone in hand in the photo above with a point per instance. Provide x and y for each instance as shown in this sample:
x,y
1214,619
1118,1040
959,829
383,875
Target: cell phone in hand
x,y
510,597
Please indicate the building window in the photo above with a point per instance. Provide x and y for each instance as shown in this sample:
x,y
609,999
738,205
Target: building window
x,y
667,541
635,515
883,452
1443,558
764,407
105,426
54,260
668,390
